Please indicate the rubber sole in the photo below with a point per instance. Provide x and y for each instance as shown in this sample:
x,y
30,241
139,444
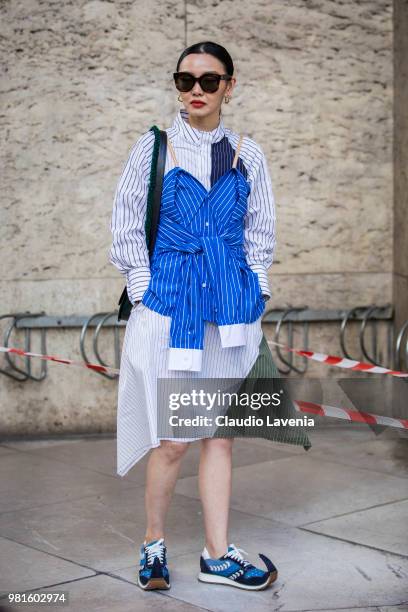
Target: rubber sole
x,y
203,577
153,583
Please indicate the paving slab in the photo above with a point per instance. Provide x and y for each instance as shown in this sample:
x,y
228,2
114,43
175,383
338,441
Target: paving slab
x,y
384,527
104,531
6,451
28,480
100,455
299,490
103,593
327,434
299,555
101,526
95,454
330,430
23,567
27,444
388,456
357,444
315,573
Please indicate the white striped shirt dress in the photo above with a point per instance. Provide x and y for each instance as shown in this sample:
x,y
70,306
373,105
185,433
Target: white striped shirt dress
x,y
225,351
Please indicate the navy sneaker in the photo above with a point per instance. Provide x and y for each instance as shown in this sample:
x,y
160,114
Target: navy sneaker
x,y
234,570
153,572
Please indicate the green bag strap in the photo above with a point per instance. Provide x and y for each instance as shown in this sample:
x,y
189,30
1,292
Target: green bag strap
x,y
152,182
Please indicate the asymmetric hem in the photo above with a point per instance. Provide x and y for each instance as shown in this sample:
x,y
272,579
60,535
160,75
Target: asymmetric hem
x,y
145,359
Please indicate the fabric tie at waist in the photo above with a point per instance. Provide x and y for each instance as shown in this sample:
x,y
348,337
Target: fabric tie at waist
x,y
223,267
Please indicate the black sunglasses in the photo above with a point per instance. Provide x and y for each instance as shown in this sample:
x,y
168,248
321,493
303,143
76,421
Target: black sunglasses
x,y
209,81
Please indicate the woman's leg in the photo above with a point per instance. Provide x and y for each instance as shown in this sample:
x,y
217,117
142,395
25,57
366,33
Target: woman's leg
x,y
161,476
215,480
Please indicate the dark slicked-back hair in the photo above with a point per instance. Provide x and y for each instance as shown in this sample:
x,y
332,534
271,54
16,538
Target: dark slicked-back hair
x,y
213,49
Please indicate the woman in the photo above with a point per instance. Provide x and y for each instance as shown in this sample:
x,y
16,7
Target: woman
x,y
214,245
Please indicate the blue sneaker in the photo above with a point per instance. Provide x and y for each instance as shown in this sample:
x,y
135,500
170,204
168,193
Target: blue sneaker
x,y
234,570
153,573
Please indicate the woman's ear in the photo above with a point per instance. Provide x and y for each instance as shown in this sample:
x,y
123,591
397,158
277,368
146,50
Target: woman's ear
x,y
231,84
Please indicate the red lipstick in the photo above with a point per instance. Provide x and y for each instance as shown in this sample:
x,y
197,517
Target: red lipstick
x,y
197,104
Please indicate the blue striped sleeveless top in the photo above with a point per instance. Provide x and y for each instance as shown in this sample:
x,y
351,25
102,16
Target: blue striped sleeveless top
x,y
199,271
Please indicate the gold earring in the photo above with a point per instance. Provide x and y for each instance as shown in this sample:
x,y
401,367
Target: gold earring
x,y
227,99
179,99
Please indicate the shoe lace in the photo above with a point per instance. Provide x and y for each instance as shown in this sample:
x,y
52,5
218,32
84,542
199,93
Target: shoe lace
x,y
155,550
236,555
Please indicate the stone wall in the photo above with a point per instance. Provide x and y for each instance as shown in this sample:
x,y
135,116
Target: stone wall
x,y
82,81
400,285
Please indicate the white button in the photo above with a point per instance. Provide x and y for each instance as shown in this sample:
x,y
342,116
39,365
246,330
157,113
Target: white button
x,y
187,361
204,284
207,224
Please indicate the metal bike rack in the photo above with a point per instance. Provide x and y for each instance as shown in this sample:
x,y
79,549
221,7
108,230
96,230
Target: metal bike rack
x,y
305,325
286,318
366,314
398,344
23,374
366,317
347,316
103,316
29,322
304,315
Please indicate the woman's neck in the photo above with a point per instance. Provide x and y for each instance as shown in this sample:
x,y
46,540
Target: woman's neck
x,y
206,124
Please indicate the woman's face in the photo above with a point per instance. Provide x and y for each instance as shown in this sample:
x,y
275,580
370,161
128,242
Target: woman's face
x,y
197,64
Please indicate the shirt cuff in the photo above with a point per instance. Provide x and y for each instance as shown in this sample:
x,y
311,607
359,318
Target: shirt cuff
x,y
185,359
232,335
260,270
137,281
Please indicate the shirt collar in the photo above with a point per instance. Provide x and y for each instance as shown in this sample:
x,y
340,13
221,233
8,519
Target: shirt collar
x,y
195,135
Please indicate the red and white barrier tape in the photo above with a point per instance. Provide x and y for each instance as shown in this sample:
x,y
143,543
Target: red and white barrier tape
x,y
81,364
320,409
350,415
341,362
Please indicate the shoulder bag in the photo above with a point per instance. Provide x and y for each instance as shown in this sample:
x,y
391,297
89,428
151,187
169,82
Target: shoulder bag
x,y
153,208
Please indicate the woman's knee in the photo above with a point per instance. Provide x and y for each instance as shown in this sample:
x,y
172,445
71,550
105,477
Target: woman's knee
x,y
222,444
174,450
